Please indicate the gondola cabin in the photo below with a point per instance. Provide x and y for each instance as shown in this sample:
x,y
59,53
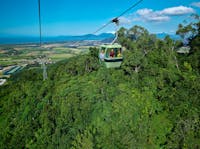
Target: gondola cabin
x,y
111,55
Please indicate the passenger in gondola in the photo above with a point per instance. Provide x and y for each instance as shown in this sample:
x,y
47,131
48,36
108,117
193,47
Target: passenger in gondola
x,y
119,54
112,53
102,55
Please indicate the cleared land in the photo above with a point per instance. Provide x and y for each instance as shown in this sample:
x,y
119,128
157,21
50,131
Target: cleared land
x,y
23,55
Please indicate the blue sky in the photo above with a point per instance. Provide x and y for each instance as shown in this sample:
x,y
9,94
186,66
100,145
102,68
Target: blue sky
x,y
66,17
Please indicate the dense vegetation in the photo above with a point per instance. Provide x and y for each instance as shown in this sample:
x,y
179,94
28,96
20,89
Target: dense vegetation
x,y
152,101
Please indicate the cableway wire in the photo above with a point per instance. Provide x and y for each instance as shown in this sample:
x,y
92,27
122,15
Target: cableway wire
x,y
116,19
134,5
40,28
43,61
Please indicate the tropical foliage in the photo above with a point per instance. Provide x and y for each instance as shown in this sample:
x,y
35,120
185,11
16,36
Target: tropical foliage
x,y
152,101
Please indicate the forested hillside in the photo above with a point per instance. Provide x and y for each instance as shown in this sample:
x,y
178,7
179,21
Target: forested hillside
x,y
151,101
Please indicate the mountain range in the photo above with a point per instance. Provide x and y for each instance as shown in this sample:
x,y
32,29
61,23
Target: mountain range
x,y
163,35
101,37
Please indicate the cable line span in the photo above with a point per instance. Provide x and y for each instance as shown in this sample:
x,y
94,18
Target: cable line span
x,y
134,5
40,28
115,20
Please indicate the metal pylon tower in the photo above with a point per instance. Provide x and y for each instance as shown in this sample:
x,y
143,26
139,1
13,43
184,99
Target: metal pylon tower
x,y
44,67
44,71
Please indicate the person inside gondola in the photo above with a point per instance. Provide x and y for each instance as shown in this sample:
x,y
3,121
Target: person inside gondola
x,y
112,53
119,54
102,55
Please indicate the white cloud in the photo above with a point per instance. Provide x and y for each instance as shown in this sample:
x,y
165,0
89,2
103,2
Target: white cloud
x,y
159,18
150,15
196,4
112,32
162,15
180,10
144,12
124,20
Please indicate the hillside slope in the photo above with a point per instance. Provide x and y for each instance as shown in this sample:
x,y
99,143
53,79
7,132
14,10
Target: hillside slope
x,y
152,101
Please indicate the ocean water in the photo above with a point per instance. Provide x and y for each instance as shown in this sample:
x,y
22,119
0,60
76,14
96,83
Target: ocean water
x,y
18,40
26,40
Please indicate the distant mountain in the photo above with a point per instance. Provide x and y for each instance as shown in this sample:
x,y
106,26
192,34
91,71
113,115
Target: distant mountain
x,y
25,40
104,37
163,35
87,37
